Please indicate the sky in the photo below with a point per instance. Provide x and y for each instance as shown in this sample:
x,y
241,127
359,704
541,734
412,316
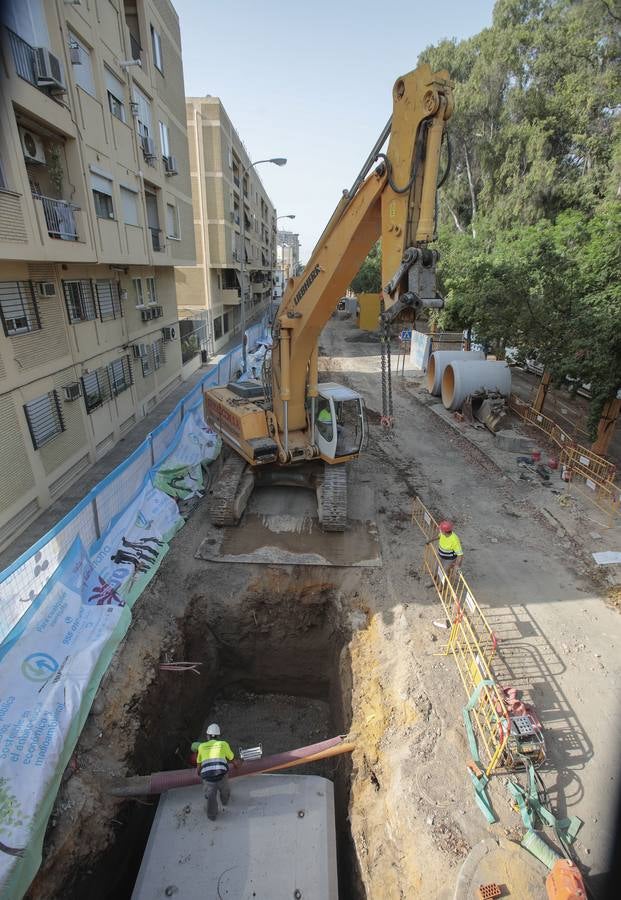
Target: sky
x,y
312,82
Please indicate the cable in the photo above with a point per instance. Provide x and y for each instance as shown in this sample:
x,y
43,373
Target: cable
x,y
417,159
449,158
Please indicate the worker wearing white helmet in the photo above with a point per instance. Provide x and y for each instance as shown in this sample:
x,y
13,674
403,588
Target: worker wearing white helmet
x,y
212,765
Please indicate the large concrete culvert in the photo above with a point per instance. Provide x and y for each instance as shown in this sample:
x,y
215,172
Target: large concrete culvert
x,y
460,379
438,362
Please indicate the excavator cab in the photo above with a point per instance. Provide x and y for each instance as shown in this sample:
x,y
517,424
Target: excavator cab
x,y
340,422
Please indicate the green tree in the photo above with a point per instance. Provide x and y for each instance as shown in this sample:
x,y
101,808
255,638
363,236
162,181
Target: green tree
x,y
530,230
369,277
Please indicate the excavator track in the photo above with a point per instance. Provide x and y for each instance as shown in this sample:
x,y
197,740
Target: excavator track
x,y
223,508
332,499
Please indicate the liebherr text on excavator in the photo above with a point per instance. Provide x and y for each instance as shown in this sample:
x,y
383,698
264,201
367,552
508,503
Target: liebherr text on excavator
x,y
291,429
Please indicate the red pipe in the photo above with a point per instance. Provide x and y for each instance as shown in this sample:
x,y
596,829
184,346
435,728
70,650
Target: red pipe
x,y
165,781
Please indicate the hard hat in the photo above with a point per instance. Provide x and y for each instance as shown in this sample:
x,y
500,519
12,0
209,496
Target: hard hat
x,y
446,527
213,730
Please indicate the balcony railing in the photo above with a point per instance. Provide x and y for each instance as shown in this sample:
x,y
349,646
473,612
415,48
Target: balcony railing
x,y
24,57
59,218
156,239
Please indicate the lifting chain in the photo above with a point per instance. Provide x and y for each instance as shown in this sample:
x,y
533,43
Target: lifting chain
x,y
387,419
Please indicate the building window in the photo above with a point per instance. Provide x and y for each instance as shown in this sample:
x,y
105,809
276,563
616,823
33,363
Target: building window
x,y
120,375
108,300
82,65
116,95
146,359
138,295
158,353
129,205
164,139
79,301
225,323
156,43
44,419
3,181
18,307
151,293
229,279
217,328
172,221
102,195
96,389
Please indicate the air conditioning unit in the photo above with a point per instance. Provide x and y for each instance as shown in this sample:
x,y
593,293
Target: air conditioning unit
x,y
170,165
32,145
72,391
134,107
148,146
49,69
169,333
146,315
47,289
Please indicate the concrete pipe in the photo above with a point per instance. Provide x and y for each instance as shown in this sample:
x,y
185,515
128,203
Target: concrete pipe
x,y
463,378
438,362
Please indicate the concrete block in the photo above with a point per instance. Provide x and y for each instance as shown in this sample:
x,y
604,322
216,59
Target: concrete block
x,y
276,838
514,442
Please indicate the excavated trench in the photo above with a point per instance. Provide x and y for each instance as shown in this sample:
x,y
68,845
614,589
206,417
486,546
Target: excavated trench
x,y
275,671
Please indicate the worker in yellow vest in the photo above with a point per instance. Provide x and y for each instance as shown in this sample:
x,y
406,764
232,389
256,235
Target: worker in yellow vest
x,y
449,548
212,766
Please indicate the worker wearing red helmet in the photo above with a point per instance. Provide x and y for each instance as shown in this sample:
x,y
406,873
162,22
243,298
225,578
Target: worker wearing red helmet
x,y
449,547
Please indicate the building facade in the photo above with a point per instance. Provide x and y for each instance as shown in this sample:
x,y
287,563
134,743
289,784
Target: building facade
x,y
219,164
95,212
287,259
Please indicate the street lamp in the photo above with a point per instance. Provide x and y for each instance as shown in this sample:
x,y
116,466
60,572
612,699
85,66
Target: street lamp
x,y
277,161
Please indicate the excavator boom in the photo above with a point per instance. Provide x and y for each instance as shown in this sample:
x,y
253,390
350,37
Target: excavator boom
x,y
291,421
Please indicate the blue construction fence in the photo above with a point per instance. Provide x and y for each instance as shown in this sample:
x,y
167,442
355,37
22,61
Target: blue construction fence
x,y
27,576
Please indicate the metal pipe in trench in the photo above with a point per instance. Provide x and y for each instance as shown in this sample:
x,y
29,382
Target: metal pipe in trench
x,y
165,781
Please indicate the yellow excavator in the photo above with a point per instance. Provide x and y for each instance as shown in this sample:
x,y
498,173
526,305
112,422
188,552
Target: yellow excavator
x,y
289,428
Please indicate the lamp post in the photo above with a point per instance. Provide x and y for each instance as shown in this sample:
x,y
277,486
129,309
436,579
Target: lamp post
x,y
277,161
288,216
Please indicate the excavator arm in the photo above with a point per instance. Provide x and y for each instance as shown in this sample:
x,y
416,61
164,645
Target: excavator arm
x,y
397,203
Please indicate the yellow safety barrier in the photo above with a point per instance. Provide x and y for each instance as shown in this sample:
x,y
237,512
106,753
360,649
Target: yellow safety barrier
x,y
472,644
586,476
423,518
591,474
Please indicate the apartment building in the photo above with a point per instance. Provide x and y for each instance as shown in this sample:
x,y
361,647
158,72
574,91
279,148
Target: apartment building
x,y
95,212
287,259
225,188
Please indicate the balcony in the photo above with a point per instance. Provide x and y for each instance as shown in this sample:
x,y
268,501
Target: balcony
x,y
24,57
60,218
156,239
236,180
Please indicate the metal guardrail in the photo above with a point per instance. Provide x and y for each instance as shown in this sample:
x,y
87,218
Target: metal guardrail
x,y
24,57
59,218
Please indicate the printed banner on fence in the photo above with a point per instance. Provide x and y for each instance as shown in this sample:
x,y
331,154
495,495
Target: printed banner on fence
x,y
51,665
180,474
419,350
130,551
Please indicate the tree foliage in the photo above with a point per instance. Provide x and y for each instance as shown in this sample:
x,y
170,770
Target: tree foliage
x,y
369,277
530,222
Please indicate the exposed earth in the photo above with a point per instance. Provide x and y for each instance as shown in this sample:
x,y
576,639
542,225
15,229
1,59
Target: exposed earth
x,y
292,654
